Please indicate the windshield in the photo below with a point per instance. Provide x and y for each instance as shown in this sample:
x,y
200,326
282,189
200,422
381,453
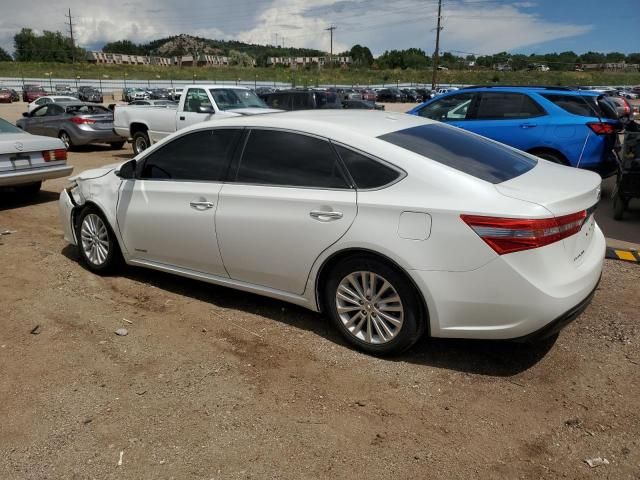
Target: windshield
x,y
230,98
6,127
87,109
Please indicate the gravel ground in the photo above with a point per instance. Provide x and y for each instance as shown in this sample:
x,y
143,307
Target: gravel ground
x,y
215,383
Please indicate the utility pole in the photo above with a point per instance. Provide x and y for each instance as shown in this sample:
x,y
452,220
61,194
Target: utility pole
x,y
331,29
436,55
73,45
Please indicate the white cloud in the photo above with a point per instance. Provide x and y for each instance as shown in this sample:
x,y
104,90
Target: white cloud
x,y
470,25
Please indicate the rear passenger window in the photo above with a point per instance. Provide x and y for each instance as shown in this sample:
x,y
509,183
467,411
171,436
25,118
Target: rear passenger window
x,y
289,159
280,101
455,148
199,156
574,104
366,172
504,106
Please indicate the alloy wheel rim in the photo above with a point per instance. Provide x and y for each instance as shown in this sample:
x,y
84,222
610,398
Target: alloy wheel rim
x,y
369,307
65,139
95,239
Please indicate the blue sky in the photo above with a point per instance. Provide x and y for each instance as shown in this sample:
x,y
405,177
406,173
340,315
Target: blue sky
x,y
474,26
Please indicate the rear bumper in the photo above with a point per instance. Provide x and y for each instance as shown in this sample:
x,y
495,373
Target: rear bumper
x,y
82,136
24,177
514,296
560,322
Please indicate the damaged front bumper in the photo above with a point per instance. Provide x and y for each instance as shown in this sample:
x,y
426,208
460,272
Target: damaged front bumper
x,y
66,206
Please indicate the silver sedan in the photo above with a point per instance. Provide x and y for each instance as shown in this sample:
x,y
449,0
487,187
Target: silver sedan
x,y
26,160
73,123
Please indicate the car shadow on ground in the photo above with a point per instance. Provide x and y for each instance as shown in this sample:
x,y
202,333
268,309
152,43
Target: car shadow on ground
x,y
11,198
492,358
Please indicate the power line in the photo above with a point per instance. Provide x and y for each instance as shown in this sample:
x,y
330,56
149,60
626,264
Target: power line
x,y
436,55
73,45
331,29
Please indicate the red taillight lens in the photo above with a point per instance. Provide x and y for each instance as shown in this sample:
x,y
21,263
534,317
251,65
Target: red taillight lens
x,y
601,128
54,155
508,235
81,121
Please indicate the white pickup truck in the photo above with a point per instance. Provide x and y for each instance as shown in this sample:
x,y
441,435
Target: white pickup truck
x,y
147,124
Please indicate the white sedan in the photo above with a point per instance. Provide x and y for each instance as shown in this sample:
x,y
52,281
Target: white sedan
x,y
50,99
26,160
391,224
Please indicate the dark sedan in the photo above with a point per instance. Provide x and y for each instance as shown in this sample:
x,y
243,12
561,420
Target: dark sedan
x,y
391,95
73,123
6,96
89,94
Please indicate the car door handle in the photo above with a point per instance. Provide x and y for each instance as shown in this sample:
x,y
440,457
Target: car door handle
x,y
528,125
181,118
201,205
325,216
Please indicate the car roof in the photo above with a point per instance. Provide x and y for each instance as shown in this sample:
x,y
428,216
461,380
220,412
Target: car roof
x,y
332,123
529,89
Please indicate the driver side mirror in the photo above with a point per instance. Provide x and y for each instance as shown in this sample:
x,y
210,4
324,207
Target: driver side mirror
x,y
25,114
127,171
208,109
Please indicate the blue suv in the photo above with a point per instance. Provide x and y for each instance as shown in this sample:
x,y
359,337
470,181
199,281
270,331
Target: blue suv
x,y
566,126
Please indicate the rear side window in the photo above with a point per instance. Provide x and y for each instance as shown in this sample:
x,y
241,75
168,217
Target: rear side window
x,y
505,106
289,159
281,101
366,172
199,156
574,104
455,148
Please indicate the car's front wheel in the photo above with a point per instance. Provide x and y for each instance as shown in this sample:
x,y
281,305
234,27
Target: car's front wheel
x,y
373,305
98,246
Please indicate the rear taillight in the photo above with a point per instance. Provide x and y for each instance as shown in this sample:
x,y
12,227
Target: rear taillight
x,y
601,128
54,155
82,121
508,235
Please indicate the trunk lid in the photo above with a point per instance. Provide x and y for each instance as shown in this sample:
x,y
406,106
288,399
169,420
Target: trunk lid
x,y
562,191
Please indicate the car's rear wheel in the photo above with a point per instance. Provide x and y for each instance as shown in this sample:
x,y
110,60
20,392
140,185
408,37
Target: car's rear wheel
x,y
140,142
66,139
98,246
117,145
373,305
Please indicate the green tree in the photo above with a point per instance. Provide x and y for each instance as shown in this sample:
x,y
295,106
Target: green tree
x,y
240,59
124,46
48,47
361,56
4,56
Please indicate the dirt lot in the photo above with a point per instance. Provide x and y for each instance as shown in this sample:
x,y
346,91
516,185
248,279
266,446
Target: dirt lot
x,y
214,383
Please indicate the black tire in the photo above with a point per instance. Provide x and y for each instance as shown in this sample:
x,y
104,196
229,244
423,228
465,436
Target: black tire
x,y
140,142
552,157
619,206
29,190
113,258
117,145
413,324
66,139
